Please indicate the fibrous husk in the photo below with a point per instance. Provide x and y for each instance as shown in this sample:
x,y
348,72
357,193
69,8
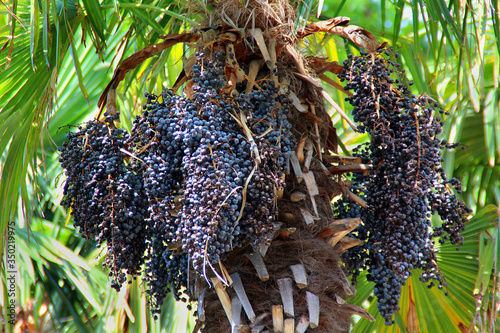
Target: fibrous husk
x,y
324,275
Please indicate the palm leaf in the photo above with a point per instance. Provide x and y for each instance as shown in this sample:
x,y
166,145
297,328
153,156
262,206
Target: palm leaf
x,y
81,296
30,93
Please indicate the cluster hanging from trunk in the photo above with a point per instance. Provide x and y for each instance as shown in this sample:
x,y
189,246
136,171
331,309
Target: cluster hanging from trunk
x,y
223,193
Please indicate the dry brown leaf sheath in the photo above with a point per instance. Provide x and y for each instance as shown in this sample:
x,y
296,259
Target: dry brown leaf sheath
x,y
139,57
340,26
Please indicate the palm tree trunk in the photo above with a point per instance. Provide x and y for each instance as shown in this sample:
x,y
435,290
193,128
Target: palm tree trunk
x,y
286,275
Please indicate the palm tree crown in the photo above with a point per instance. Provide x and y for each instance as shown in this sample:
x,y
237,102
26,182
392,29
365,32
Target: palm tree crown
x,y
56,59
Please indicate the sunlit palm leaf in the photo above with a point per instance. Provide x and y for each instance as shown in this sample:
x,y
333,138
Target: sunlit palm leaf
x,y
442,68
29,94
84,299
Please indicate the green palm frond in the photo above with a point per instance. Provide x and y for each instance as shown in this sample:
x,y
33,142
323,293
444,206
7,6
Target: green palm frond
x,y
30,86
449,63
45,88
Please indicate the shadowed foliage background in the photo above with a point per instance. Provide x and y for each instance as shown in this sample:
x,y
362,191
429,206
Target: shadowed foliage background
x,y
56,57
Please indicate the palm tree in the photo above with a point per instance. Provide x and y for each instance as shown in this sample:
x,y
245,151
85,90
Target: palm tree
x,y
37,67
